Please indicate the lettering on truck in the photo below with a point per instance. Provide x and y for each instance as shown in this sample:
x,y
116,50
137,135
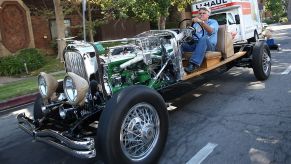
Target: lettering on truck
x,y
210,3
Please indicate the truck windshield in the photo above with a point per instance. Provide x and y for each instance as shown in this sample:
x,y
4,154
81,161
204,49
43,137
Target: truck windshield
x,y
220,18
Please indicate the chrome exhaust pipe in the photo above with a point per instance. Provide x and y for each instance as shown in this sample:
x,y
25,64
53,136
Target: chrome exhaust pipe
x,y
85,144
76,153
81,148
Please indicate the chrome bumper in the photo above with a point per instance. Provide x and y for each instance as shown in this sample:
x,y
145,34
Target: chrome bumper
x,y
84,148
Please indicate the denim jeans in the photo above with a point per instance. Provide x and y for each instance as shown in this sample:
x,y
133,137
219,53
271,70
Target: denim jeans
x,y
198,49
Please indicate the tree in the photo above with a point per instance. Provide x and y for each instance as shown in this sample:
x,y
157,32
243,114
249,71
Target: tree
x,y
163,13
60,28
276,7
144,10
181,6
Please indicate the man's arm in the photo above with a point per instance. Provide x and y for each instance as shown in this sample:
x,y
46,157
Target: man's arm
x,y
203,24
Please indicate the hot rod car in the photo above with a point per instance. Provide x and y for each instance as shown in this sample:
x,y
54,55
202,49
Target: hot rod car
x,y
109,99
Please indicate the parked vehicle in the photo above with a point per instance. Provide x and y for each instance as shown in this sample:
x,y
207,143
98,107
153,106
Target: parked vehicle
x,y
242,17
110,99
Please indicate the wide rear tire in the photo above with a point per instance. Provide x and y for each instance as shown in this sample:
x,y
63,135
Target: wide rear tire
x,y
261,61
133,127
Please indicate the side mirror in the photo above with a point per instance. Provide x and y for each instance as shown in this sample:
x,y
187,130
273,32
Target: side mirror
x,y
237,19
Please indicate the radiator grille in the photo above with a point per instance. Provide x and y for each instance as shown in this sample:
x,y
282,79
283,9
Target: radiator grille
x,y
75,63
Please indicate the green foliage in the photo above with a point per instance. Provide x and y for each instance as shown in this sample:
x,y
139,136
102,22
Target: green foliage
x,y
52,64
145,10
54,45
15,64
181,4
269,21
275,6
283,20
164,7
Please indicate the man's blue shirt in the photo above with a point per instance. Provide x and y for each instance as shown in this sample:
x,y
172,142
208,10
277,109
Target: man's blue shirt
x,y
212,36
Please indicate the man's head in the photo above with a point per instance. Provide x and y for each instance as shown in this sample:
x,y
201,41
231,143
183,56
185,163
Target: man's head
x,y
204,13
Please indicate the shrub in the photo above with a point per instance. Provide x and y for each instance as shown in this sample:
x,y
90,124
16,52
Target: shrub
x,y
269,20
283,20
15,63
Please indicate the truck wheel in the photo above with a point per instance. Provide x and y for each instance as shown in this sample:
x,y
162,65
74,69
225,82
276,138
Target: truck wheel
x,y
133,127
261,61
37,113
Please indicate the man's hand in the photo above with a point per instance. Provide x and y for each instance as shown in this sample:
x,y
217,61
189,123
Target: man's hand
x,y
196,20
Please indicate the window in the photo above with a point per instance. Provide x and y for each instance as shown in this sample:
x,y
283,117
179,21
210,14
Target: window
x,y
230,19
220,18
53,28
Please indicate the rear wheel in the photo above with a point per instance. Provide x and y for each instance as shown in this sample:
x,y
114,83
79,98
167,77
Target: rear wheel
x,y
133,127
261,61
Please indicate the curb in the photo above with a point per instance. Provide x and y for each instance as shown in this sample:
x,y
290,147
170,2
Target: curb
x,y
18,101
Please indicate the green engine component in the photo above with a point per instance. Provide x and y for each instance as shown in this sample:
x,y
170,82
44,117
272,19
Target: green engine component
x,y
138,73
100,48
143,76
133,75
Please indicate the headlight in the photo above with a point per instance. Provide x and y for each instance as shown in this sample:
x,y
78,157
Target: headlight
x,y
70,89
47,85
42,86
75,88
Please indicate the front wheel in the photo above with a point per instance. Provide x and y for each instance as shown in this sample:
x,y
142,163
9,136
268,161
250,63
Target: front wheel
x,y
261,61
133,126
37,112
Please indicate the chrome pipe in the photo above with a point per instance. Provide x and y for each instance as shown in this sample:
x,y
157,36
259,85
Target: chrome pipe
x,y
82,148
25,124
85,144
48,108
76,153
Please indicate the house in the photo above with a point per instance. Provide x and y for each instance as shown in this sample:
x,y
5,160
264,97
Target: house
x,y
21,27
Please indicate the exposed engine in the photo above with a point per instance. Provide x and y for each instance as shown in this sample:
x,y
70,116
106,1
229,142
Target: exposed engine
x,y
96,71
151,59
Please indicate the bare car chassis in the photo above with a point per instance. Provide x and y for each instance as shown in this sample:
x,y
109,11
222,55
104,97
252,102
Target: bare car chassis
x,y
109,99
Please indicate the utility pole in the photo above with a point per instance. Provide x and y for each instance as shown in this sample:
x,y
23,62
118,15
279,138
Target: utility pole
x,y
84,18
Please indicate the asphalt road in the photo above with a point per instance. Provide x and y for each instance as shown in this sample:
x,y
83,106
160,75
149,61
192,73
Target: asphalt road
x,y
245,120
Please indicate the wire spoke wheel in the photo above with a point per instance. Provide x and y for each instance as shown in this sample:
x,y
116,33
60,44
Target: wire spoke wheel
x,y
133,127
261,61
266,62
139,131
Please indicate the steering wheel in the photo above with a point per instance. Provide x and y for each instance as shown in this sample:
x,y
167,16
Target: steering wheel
x,y
188,39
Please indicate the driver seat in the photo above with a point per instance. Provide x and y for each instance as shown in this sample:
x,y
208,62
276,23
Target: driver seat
x,y
224,49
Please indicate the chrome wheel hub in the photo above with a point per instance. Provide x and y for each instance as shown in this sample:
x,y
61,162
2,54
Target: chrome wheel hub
x,y
266,62
139,131
147,133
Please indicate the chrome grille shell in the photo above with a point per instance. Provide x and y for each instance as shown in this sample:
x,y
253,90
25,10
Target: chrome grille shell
x,y
75,63
80,58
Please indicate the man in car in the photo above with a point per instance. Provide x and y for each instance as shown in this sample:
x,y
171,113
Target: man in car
x,y
206,42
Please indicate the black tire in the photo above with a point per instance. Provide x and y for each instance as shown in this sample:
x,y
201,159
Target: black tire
x,y
37,112
261,60
127,111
